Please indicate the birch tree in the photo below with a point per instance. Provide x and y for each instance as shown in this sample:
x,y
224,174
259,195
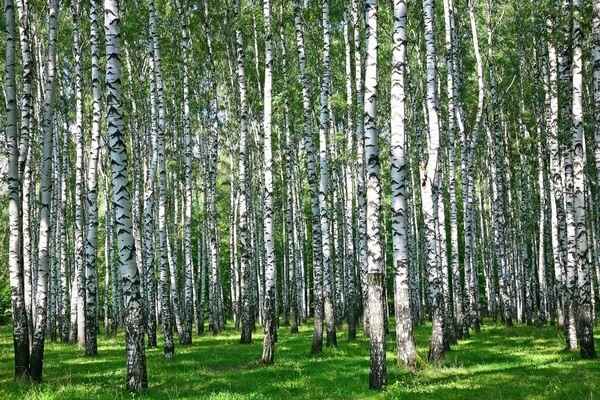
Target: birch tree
x,y
41,298
585,274
428,180
270,323
19,313
375,277
407,351
324,183
137,378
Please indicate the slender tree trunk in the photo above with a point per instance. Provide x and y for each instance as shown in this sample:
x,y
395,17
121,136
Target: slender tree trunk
x,y
349,185
137,378
585,276
41,298
19,311
164,267
407,352
428,180
324,184
360,165
376,276
317,343
270,323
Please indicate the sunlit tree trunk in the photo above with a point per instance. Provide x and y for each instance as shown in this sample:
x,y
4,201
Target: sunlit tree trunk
x,y
428,180
317,343
456,287
169,346
324,185
349,187
137,378
37,349
407,352
269,316
19,312
375,277
361,212
585,275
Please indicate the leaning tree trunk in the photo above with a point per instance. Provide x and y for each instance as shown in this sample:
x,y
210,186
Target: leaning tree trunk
x,y
585,276
137,378
37,348
375,276
19,313
407,352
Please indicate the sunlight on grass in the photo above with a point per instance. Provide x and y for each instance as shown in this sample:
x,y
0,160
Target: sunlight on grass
x,y
518,363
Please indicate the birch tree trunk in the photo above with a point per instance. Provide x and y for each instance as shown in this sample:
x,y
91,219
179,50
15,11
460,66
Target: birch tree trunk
x,y
41,298
407,351
585,276
360,165
324,184
244,235
456,288
428,180
349,193
169,347
375,277
19,311
270,323
317,343
137,378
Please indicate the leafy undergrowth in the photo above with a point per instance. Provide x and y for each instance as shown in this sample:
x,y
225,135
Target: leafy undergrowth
x,y
495,363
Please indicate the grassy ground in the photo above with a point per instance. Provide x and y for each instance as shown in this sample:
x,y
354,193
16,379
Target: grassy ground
x,y
495,363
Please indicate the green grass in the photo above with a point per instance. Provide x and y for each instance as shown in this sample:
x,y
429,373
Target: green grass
x,y
495,363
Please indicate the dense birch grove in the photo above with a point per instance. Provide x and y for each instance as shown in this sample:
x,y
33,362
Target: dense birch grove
x,y
181,168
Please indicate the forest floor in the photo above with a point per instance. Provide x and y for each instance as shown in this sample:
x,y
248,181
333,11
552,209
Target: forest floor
x,y
495,363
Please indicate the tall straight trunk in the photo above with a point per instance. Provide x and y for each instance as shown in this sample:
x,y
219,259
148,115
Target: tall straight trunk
x,y
499,198
290,205
428,180
596,70
37,348
24,149
376,276
19,312
456,288
91,321
349,261
212,173
169,346
244,235
324,184
585,275
556,188
63,318
149,249
137,378
407,352
270,323
317,343
361,212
